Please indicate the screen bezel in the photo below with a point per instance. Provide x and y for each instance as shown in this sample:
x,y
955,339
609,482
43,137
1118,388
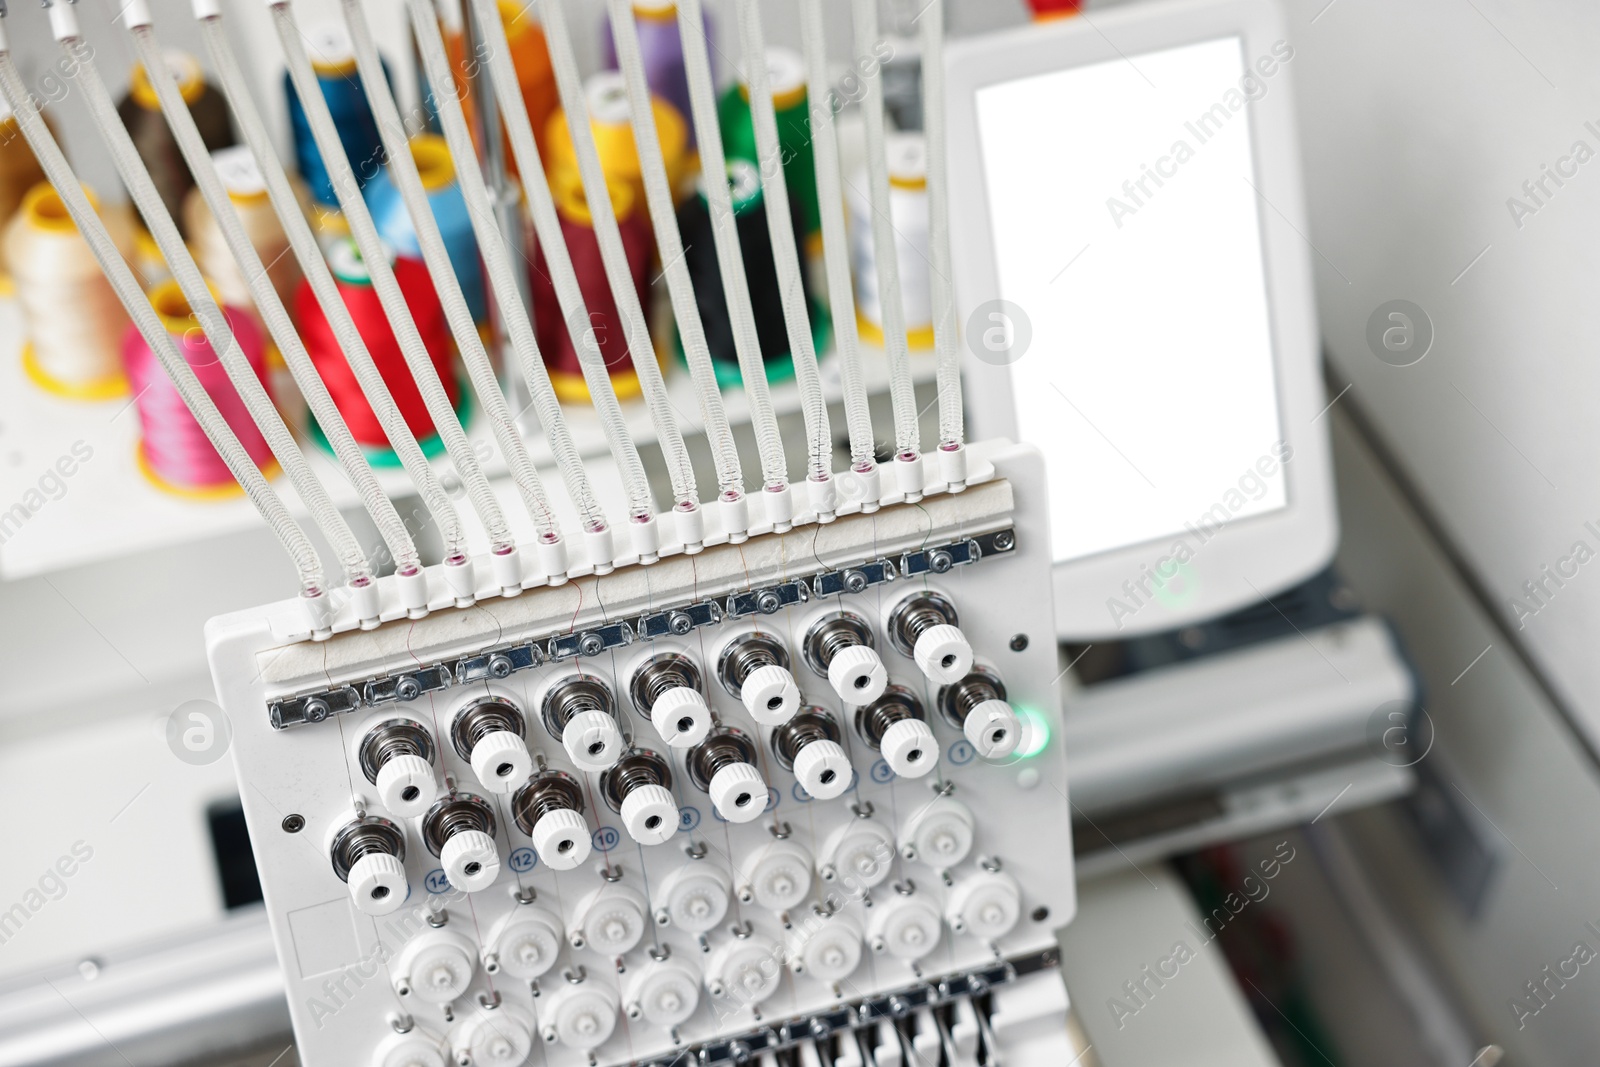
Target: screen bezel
x,y
1247,559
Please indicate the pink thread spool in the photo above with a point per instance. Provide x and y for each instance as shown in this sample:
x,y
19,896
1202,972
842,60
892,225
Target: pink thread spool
x,y
174,452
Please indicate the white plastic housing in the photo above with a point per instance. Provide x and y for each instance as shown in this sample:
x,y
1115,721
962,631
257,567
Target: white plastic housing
x,y
552,558
993,729
413,590
592,740
735,517
770,695
952,464
579,1016
645,538
909,748
378,883
832,951
779,506
435,966
598,546
612,920
507,569
524,943
943,654
745,972
857,674
859,853
681,717
461,577
908,477
823,769
777,875
739,793
939,833
693,897
470,861
406,785
498,1037
415,1049
501,761
561,838
663,993
650,814
986,905
907,928
364,599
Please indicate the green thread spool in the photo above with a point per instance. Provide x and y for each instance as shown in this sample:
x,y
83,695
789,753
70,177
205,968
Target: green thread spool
x,y
786,75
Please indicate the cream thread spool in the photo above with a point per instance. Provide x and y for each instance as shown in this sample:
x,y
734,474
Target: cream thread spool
x,y
74,321
908,210
247,190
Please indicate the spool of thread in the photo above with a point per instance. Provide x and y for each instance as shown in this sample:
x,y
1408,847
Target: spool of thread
x,y
760,271
174,453
607,98
395,224
786,74
1045,10
662,49
72,316
333,59
247,191
19,173
140,112
355,287
610,332
908,210
536,78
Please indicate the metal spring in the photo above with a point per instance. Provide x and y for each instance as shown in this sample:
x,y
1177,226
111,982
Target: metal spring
x,y
957,700
396,737
808,725
722,749
547,792
915,615
453,815
896,705
831,636
479,719
363,838
637,768
664,672
748,653
574,696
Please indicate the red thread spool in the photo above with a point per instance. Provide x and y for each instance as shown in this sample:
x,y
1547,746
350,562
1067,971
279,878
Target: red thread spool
x,y
1044,10
174,453
355,286
610,331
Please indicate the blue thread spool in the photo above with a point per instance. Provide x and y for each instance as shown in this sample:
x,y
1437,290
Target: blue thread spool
x,y
333,59
395,226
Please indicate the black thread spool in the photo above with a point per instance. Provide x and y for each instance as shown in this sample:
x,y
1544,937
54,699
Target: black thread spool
x,y
140,112
760,272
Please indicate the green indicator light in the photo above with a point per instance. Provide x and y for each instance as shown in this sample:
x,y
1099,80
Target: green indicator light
x,y
1035,733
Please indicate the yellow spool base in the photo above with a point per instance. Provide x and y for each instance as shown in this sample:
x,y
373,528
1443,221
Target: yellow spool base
x,y
8,288
920,339
107,388
209,494
573,389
